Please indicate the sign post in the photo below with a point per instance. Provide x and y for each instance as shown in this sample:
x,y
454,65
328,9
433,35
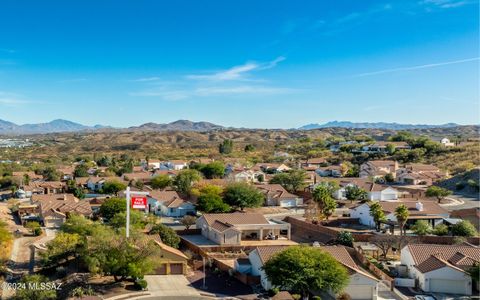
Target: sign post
x,y
137,200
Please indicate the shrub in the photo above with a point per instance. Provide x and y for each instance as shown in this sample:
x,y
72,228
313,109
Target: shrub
x,y
459,185
344,296
141,284
440,230
464,228
345,238
273,291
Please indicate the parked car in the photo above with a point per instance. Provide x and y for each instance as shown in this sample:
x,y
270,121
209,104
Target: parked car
x,y
424,297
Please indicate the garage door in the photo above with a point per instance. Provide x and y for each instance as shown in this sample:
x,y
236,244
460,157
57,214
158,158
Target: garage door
x,y
176,269
162,270
288,203
359,292
447,286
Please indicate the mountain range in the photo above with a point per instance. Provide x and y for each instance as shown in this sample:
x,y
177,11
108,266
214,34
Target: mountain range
x,y
60,125
377,125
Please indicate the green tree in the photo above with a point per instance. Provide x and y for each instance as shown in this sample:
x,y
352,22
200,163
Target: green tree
x,y
61,248
300,269
51,174
226,147
188,221
113,187
377,214
161,181
437,192
241,195
119,220
111,207
249,148
167,235
32,293
421,227
322,195
112,254
464,228
440,230
390,149
81,170
292,181
34,227
353,192
345,238
389,178
402,214
212,203
212,170
184,180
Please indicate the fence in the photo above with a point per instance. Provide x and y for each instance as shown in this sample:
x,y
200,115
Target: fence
x,y
316,232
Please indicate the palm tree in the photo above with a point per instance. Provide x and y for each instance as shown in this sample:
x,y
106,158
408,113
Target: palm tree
x,y
401,213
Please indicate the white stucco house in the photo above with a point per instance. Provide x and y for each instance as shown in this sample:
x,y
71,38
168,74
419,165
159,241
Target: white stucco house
x,y
446,142
426,210
249,176
362,285
441,268
233,228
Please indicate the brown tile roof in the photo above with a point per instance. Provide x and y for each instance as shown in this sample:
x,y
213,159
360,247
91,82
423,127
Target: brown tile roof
x,y
137,176
62,203
429,257
237,218
274,191
317,160
421,168
30,174
220,226
382,163
364,183
168,198
266,252
467,212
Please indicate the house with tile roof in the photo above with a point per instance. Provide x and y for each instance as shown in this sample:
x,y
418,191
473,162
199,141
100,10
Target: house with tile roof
x,y
277,195
52,209
170,204
232,228
419,174
362,285
378,168
426,210
441,268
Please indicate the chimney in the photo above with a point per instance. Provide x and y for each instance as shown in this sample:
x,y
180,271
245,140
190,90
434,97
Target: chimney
x,y
419,206
64,197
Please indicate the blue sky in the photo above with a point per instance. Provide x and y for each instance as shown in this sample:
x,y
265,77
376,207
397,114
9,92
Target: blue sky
x,y
268,64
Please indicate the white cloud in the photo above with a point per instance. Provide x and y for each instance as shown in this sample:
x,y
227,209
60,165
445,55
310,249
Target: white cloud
x,y
6,101
147,79
238,72
446,3
245,89
412,68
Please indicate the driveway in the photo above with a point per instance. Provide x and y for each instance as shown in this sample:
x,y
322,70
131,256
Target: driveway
x,y
170,285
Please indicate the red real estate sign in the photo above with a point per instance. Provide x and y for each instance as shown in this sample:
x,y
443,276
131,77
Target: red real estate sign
x,y
139,202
